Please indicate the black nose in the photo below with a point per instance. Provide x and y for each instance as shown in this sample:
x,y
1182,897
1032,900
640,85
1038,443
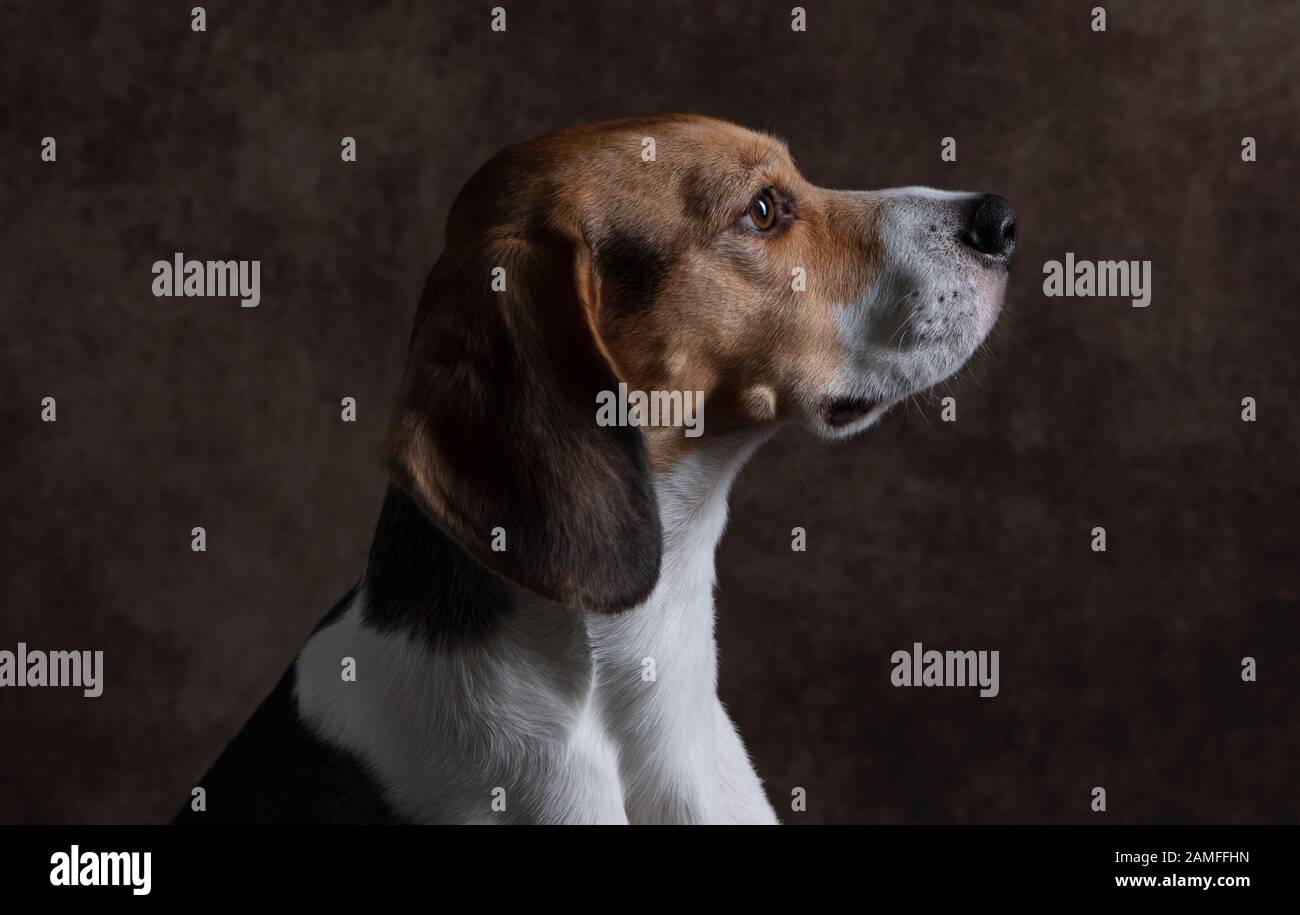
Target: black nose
x,y
991,228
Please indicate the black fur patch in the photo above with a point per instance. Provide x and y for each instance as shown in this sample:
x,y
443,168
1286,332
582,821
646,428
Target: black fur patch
x,y
631,271
276,771
418,579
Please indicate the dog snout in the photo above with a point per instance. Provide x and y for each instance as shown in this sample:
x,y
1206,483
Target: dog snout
x,y
991,227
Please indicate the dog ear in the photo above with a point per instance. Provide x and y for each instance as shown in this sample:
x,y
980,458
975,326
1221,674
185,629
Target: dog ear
x,y
495,432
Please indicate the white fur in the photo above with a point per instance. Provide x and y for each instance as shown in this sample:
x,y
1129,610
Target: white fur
x,y
553,706
932,305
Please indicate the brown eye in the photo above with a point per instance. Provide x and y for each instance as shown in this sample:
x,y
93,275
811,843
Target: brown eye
x,y
762,212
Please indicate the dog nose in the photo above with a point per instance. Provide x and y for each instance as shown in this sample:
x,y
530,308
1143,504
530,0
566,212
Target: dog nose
x,y
991,228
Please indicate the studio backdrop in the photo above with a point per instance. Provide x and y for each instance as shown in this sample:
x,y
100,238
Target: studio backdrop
x,y
1106,496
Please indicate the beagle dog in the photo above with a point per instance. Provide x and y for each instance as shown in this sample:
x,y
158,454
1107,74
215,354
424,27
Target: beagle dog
x,y
532,639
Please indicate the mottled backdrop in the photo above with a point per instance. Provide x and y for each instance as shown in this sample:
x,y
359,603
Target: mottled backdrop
x,y
1119,669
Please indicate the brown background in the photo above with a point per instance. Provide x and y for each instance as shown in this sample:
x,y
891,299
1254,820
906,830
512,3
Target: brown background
x,y
1118,669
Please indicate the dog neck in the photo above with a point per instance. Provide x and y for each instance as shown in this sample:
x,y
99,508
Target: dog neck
x,y
418,579
693,496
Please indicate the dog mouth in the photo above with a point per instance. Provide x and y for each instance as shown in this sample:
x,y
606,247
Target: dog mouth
x,y
844,411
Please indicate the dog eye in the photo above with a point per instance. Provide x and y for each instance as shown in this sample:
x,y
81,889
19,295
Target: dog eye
x,y
762,212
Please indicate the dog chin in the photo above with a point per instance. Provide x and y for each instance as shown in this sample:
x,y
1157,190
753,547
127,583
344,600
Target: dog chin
x,y
842,417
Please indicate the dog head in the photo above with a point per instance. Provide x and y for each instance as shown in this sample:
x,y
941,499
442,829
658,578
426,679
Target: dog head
x,y
671,254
